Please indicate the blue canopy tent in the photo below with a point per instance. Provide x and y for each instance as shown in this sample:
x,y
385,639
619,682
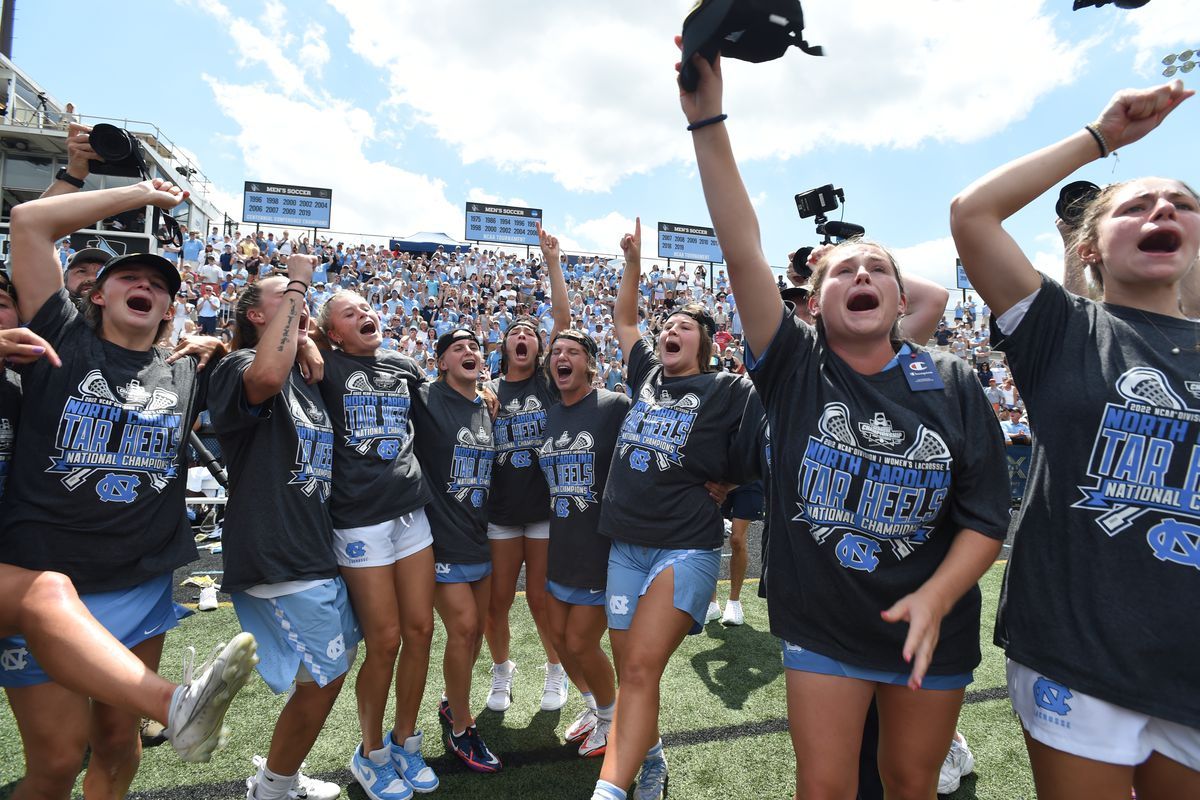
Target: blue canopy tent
x,y
427,242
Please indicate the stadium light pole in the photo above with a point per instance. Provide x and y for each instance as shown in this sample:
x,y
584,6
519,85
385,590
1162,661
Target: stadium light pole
x,y
1184,61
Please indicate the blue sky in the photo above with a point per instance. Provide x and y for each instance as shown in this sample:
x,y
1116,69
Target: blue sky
x,y
408,110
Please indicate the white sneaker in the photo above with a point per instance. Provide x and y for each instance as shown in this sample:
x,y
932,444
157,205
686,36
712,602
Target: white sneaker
x,y
714,613
554,690
303,788
959,761
733,613
500,698
652,780
578,730
208,599
197,711
597,741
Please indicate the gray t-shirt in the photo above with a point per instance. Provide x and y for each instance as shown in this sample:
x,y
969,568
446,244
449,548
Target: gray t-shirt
x,y
280,459
96,487
1103,585
519,494
376,476
455,447
870,483
678,434
575,459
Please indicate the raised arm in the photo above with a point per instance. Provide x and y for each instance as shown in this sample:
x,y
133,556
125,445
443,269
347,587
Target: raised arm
x,y
926,307
729,206
626,308
79,152
560,301
276,351
998,269
38,224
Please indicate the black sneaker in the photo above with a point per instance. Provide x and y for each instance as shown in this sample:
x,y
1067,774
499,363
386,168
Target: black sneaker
x,y
444,712
473,752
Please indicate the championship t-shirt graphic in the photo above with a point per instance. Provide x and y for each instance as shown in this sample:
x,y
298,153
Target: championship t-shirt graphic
x,y
471,470
657,428
314,450
126,437
376,409
570,467
520,428
870,484
1146,458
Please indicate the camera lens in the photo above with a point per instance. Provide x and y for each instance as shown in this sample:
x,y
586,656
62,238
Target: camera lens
x,y
110,142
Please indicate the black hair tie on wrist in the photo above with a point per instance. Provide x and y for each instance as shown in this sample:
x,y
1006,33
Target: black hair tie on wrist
x,y
704,123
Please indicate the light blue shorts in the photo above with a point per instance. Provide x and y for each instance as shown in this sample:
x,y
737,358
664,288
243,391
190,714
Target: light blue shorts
x,y
315,630
461,573
797,658
131,615
574,596
632,568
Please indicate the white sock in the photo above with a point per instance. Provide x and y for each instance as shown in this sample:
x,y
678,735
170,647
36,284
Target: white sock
x,y
555,668
606,712
655,753
171,708
506,667
606,791
588,700
272,786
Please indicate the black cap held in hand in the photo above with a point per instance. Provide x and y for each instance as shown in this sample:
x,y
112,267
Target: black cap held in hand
x,y
748,30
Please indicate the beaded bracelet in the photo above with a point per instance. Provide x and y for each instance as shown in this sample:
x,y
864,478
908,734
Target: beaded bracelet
x,y
1094,130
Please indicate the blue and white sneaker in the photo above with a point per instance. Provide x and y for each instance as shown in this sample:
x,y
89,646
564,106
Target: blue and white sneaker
x,y
410,764
377,776
652,781
474,753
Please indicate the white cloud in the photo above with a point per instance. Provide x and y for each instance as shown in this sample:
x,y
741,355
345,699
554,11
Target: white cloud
x,y
314,52
584,91
933,260
1158,29
480,195
603,234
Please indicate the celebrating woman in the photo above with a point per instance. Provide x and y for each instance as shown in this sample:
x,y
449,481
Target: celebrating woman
x,y
666,531
888,495
518,506
381,539
1099,611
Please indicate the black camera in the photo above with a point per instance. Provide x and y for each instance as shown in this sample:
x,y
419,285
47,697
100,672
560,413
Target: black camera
x,y
816,203
120,149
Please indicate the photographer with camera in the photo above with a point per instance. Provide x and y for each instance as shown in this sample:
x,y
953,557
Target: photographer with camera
x,y
79,152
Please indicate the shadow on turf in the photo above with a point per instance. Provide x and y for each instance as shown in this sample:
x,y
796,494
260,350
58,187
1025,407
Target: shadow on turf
x,y
746,660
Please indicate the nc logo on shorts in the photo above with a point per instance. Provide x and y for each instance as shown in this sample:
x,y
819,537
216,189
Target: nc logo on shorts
x,y
639,460
14,658
356,550
388,449
1051,695
441,569
618,604
521,459
337,647
562,507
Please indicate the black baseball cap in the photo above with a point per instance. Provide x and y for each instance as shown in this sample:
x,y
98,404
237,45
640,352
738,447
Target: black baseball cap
x,y
748,30
89,255
450,337
164,267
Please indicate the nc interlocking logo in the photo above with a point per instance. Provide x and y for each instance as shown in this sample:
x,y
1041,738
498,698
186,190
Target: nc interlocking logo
x,y
14,658
1175,541
1051,696
356,549
618,604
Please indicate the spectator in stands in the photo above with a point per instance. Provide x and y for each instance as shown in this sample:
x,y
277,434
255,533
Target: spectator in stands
x,y
82,270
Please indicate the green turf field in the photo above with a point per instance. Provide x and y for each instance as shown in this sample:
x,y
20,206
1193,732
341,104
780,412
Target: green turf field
x,y
722,721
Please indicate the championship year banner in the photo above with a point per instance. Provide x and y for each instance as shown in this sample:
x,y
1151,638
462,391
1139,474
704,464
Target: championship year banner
x,y
282,204
964,282
488,222
692,242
